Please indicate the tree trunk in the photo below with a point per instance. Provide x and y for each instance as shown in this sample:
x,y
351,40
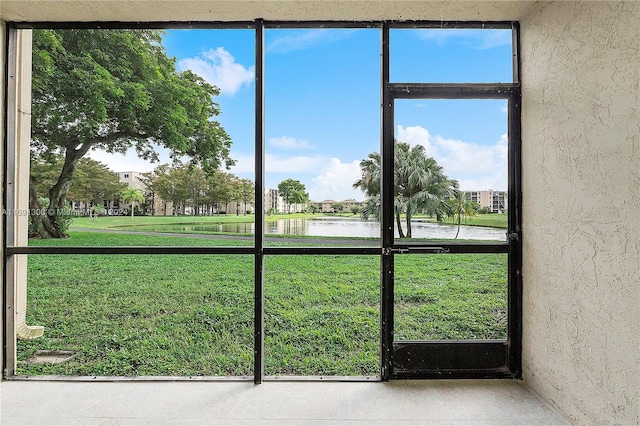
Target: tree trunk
x,y
408,224
42,225
46,225
399,224
458,231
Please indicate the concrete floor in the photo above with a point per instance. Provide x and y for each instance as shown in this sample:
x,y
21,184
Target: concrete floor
x,y
467,402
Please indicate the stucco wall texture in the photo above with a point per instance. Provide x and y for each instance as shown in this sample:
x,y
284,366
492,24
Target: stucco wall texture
x,y
581,210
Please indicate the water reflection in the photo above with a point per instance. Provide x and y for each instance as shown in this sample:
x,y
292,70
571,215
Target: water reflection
x,y
348,227
342,227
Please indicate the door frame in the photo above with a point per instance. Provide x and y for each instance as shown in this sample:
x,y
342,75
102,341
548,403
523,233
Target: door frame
x,y
462,358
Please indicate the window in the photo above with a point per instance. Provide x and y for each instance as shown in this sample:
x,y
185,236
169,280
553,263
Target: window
x,y
394,303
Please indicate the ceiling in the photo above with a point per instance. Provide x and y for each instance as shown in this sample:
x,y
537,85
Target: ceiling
x,y
246,10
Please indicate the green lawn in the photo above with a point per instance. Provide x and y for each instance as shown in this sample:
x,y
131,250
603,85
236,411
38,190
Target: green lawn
x,y
109,222
494,220
193,314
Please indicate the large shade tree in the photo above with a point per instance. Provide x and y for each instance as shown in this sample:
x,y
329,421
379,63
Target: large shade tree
x,y
114,90
420,185
247,192
185,185
94,183
224,188
170,183
147,180
293,192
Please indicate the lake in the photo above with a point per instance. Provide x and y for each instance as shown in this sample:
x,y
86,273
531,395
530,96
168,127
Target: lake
x,y
341,227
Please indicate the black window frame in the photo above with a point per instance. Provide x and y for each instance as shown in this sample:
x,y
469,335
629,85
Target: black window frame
x,y
497,359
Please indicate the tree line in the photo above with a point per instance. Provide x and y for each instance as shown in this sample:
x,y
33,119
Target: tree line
x,y
189,187
186,187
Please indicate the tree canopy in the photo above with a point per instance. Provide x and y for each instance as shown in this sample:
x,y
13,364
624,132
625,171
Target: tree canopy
x,y
114,90
293,192
420,185
189,186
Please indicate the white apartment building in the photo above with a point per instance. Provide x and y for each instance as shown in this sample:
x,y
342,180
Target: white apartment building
x,y
495,201
275,203
326,206
156,205
132,180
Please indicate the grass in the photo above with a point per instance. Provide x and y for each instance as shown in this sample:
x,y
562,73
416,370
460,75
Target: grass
x,y
111,222
192,315
493,220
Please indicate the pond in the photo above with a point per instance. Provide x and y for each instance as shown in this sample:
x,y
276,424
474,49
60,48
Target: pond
x,y
339,227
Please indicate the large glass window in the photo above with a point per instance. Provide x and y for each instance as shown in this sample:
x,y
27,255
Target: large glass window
x,y
263,200
451,55
146,315
322,316
322,118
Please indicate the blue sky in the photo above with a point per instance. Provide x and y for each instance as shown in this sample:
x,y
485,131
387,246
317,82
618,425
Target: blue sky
x,y
322,101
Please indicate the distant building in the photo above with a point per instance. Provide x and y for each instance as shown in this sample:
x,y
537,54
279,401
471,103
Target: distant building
x,y
155,206
239,208
132,179
349,203
326,206
495,201
274,202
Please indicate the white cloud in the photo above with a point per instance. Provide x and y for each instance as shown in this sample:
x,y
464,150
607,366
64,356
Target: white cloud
x,y
305,39
415,135
478,39
279,164
287,142
244,164
332,179
219,67
296,164
335,181
475,166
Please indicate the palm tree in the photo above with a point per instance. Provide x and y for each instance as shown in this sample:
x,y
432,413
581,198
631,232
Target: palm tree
x,y
131,195
460,205
369,183
420,185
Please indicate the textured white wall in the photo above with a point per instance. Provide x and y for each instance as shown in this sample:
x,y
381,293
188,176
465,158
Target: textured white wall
x,y
581,214
236,10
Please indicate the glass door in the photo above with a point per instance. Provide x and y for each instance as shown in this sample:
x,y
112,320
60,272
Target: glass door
x,y
450,223
450,248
